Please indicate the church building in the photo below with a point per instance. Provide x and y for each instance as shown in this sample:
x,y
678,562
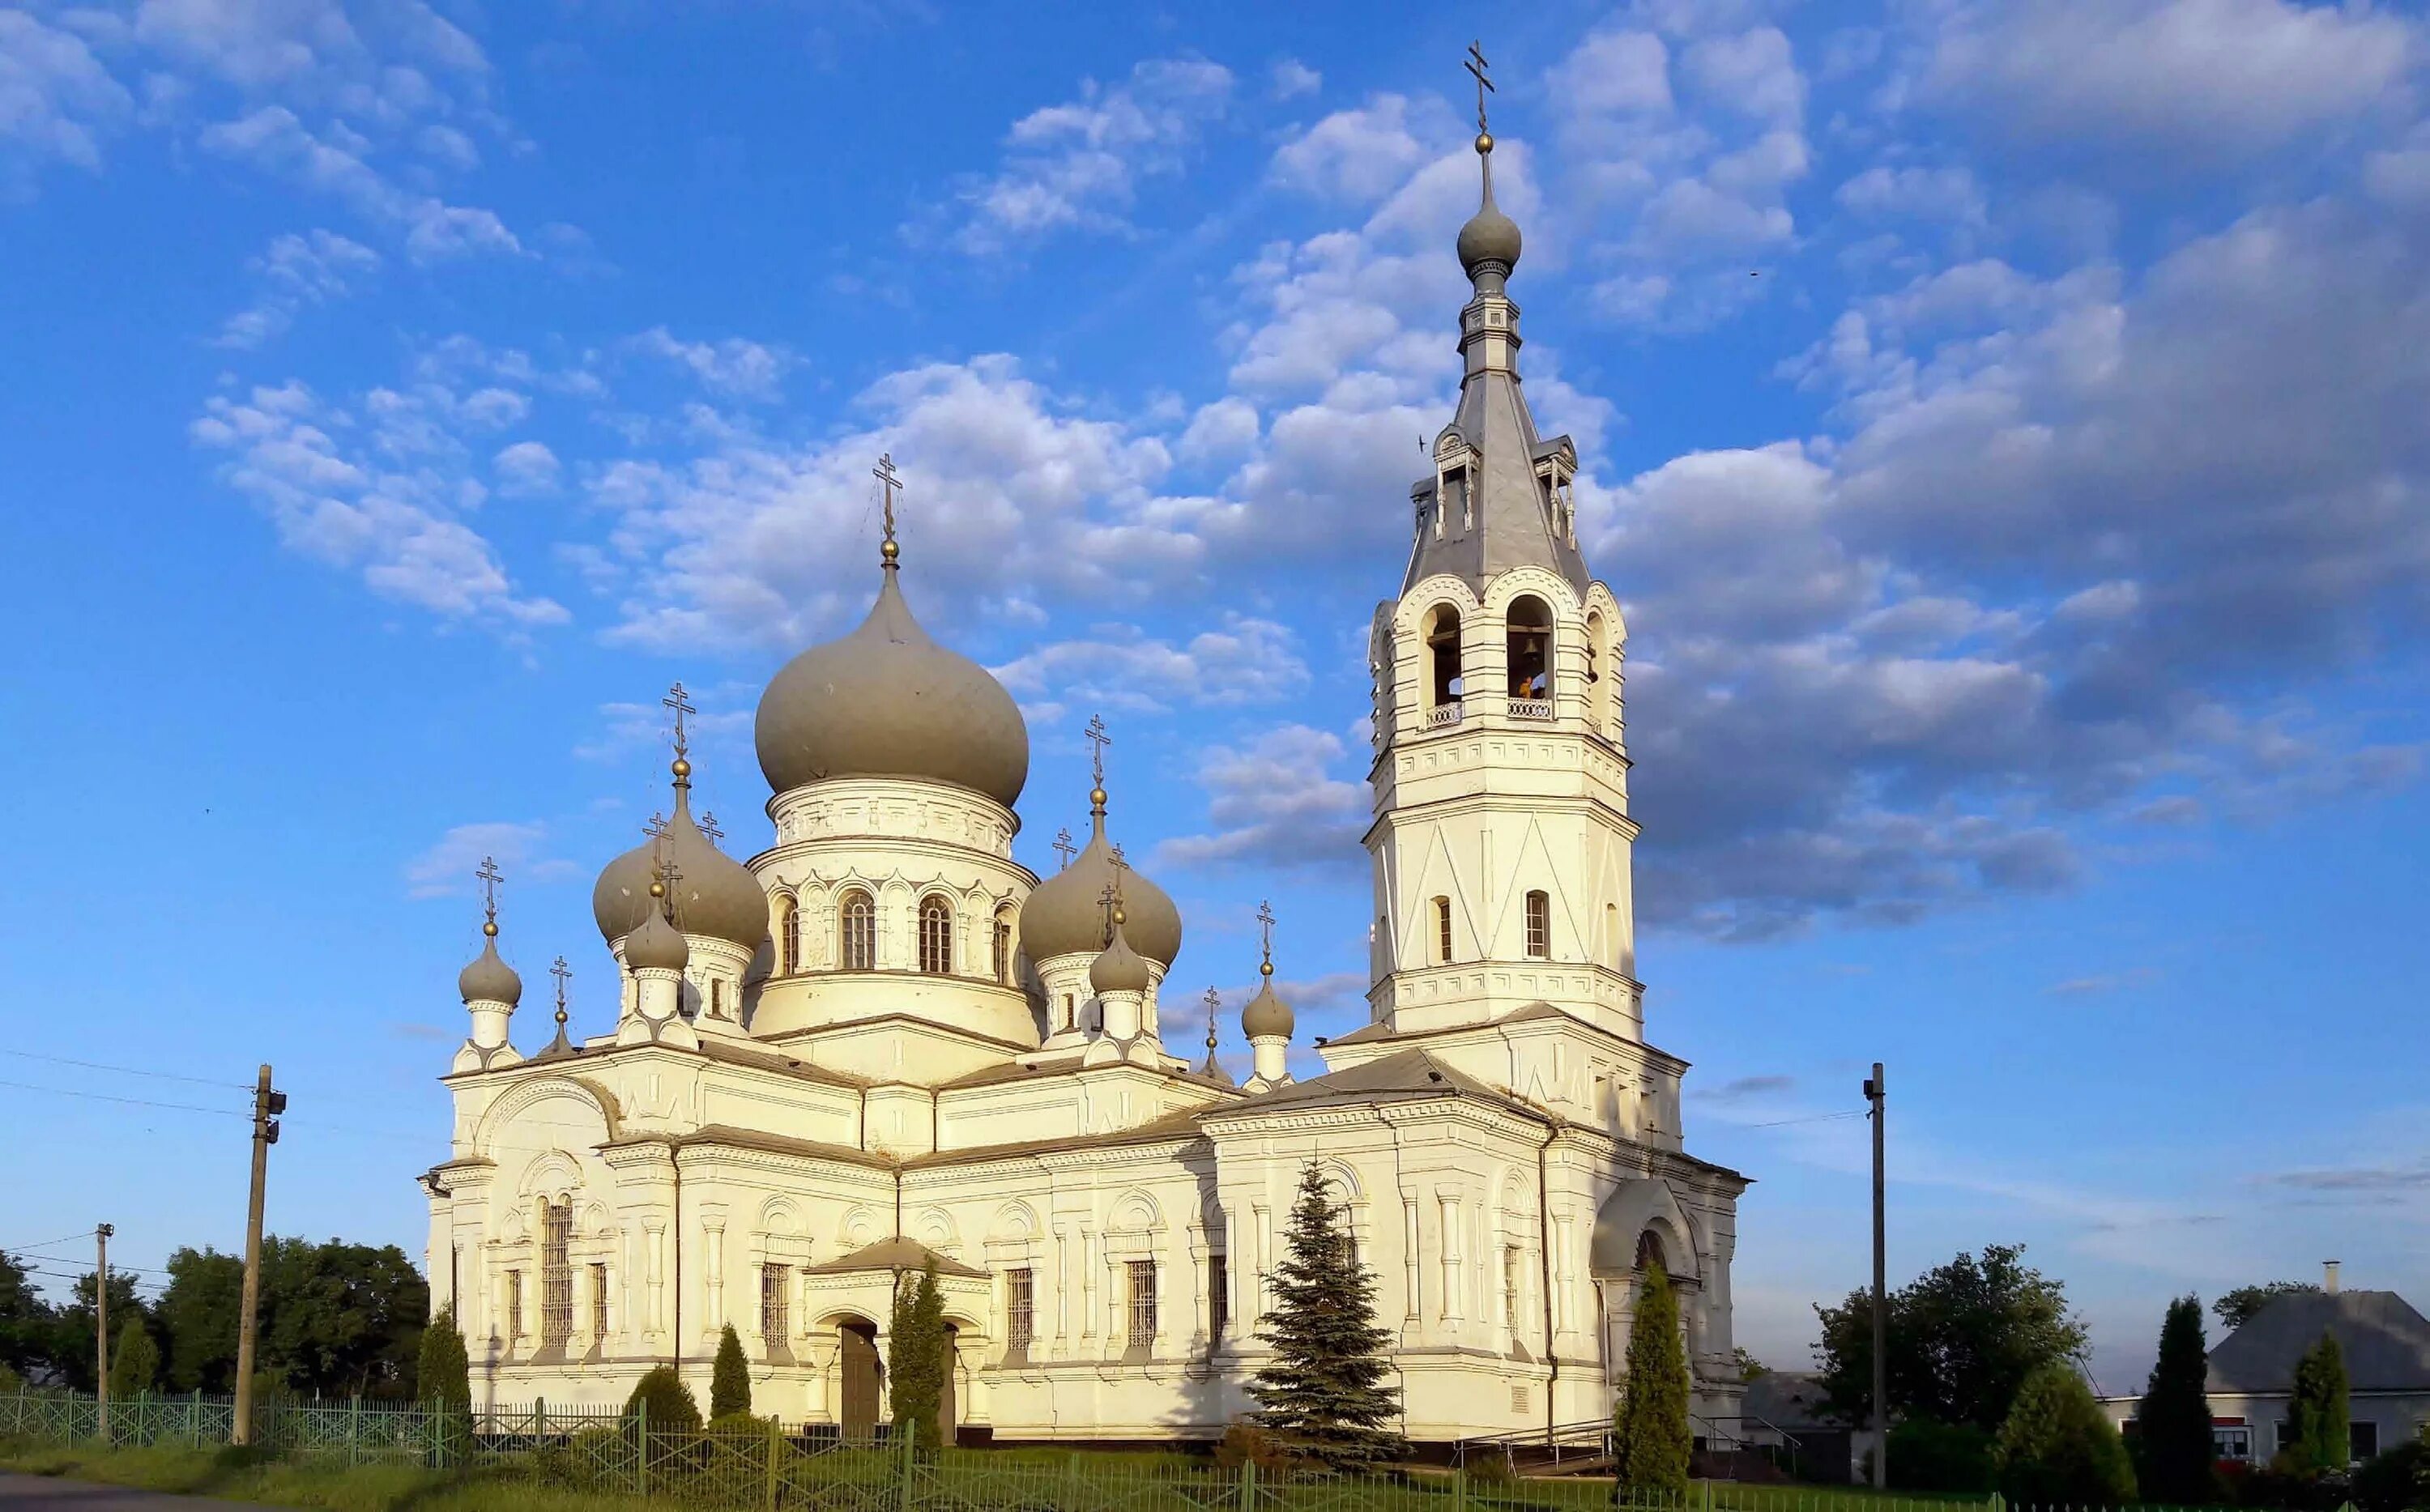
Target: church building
x,y
879,1042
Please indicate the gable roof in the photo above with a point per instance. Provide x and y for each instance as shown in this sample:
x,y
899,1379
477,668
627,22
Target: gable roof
x,y
1412,1073
2385,1343
897,1253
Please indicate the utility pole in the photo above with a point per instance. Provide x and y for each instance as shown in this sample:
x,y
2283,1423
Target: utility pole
x,y
267,1105
1881,1301
100,1233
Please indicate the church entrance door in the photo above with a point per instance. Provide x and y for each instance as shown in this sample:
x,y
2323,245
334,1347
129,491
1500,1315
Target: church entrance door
x,y
946,1414
863,1379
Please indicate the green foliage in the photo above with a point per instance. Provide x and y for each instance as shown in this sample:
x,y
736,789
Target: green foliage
x,y
134,1360
1962,1336
916,1362
1748,1367
1650,1436
2398,1480
27,1325
2320,1411
1322,1392
443,1374
669,1401
2175,1459
1927,1454
339,1319
2056,1448
1245,1443
74,1349
199,1312
2235,1308
729,1381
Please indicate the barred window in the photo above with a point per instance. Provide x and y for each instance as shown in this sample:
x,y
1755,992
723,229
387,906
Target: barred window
x,y
1540,925
514,1305
1019,1301
599,1299
1003,949
789,936
773,1312
555,1274
935,936
860,932
1219,1296
1442,930
1143,1277
1510,1262
716,998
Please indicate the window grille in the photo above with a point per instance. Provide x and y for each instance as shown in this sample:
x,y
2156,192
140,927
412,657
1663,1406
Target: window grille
x,y
599,1299
860,932
1019,1301
1442,930
788,936
1510,1261
716,998
514,1305
1143,1278
773,1312
555,1274
1003,951
1540,925
935,936
1219,1296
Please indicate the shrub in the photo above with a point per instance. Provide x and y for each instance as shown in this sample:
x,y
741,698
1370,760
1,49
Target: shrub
x,y
1245,1443
729,1383
443,1374
2397,1480
2057,1447
669,1400
1491,1466
1927,1454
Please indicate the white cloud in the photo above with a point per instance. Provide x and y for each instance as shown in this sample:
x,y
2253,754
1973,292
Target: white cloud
x,y
1272,802
332,161
57,99
445,870
525,468
734,365
1364,154
1290,78
311,269
1910,192
1120,667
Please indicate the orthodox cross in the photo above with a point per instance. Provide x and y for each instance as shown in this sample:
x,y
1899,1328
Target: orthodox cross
x,y
1122,866
1214,1001
1266,929
708,827
669,875
682,706
1107,902
491,876
560,971
1095,735
656,827
1064,849
1476,66
888,481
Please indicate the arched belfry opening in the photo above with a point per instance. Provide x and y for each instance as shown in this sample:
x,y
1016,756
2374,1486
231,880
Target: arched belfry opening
x,y
1530,629
1444,683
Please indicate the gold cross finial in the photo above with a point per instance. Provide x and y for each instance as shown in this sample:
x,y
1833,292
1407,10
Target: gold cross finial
x,y
656,827
560,971
677,701
491,876
888,480
1064,849
1109,905
1476,66
708,827
1214,1003
1266,934
1095,735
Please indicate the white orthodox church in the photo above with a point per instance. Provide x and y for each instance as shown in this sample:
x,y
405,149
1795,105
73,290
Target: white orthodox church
x,y
880,1042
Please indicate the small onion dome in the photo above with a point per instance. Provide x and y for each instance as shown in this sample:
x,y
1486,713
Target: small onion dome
x,y
1118,968
888,702
715,894
657,943
489,979
1267,1015
1066,914
1490,236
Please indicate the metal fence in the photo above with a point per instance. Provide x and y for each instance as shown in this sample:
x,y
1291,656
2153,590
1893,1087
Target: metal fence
x,y
768,1465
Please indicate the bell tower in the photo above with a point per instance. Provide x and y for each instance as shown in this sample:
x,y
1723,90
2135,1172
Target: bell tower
x,y
1501,837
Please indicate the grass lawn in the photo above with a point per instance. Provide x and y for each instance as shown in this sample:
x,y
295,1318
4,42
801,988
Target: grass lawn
x,y
338,1487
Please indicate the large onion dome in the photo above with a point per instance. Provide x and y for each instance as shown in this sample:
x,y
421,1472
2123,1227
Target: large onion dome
x,y
489,979
1066,913
715,894
1118,968
1266,1013
655,943
886,701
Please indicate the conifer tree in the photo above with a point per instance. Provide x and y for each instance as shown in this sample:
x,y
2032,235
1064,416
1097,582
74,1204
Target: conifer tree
x,y
2320,1411
134,1360
2057,1449
1323,1394
1650,1436
916,1364
2176,1461
444,1374
729,1380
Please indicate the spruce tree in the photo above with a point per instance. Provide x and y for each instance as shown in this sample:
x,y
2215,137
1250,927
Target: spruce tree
x,y
134,1360
444,1375
1323,1394
729,1381
2176,1462
1650,1437
916,1364
2319,1412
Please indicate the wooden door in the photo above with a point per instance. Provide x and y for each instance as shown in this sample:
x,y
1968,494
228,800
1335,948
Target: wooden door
x,y
861,1380
946,1414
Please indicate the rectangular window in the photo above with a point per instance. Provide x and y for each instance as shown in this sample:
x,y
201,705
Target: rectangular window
x,y
1219,1296
2232,1443
2363,1439
2285,1436
1143,1278
1540,925
514,1305
599,1299
1510,1262
1442,930
1019,1301
772,1309
555,1274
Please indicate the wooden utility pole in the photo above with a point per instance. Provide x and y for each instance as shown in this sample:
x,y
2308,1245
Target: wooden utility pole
x,y
1881,1300
100,1233
267,1105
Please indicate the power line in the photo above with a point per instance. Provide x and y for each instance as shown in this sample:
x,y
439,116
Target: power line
x,y
80,1234
137,1101
1816,1117
125,1071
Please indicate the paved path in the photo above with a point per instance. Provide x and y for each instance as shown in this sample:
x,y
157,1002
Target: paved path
x,y
50,1493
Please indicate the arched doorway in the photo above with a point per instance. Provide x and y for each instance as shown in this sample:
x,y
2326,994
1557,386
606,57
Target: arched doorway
x,y
864,1379
948,1408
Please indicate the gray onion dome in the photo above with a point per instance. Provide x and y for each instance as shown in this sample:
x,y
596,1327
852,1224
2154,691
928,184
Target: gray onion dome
x,y
657,943
886,701
489,979
715,894
1267,1015
1491,238
1066,913
1118,968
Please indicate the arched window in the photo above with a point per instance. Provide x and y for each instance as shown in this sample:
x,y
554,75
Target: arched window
x,y
1443,681
935,936
1612,934
1004,949
1531,649
788,935
1540,925
858,920
1598,667
1442,930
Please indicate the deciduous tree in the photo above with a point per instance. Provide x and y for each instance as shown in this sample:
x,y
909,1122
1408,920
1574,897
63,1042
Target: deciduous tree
x,y
2235,1308
2056,1449
1963,1337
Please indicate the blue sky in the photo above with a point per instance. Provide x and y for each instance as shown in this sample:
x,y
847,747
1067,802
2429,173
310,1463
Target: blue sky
x,y
2003,423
